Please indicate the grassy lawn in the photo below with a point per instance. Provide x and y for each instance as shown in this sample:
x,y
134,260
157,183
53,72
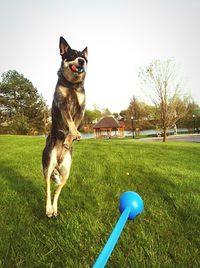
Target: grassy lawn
x,y
166,234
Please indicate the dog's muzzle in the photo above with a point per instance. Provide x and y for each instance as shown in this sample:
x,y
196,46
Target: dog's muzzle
x,y
77,69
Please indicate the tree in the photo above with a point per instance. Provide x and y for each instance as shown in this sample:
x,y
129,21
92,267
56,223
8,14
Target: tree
x,y
161,80
192,118
143,114
91,116
21,105
105,112
19,125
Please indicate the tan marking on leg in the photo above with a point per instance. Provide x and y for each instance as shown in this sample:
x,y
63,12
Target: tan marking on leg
x,y
56,196
49,208
52,164
72,127
64,170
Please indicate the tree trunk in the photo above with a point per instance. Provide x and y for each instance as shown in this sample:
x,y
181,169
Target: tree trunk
x,y
164,134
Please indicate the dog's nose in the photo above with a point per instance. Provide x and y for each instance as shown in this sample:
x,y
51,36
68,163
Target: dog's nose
x,y
81,62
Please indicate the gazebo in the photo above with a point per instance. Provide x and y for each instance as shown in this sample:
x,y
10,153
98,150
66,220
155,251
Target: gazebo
x,y
106,126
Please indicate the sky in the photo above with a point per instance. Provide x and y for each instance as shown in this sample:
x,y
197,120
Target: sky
x,y
121,36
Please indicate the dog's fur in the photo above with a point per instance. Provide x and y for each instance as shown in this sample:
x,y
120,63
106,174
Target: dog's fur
x,y
67,113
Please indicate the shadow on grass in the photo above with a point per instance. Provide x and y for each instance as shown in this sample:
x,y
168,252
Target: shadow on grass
x,y
179,202
28,192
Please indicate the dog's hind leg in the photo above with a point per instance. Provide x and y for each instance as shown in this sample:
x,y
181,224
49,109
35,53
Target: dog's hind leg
x,y
47,175
64,169
56,196
49,208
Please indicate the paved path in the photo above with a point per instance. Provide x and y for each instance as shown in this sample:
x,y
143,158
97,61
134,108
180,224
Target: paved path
x,y
182,137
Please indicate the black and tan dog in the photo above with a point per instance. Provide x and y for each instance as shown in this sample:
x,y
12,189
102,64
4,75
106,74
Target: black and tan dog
x,y
67,113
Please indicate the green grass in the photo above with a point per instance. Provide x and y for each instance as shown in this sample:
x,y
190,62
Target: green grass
x,y
166,234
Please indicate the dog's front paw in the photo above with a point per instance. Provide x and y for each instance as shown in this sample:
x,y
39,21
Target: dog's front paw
x,y
76,135
66,145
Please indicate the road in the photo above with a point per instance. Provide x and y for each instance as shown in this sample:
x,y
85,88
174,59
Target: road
x,y
182,137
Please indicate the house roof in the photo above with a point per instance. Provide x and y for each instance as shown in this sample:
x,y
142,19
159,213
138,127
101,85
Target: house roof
x,y
107,122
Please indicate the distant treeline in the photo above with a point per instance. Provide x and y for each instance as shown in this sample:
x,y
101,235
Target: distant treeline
x,y
24,111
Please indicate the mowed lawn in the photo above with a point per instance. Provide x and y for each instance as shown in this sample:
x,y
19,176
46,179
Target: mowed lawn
x,y
166,234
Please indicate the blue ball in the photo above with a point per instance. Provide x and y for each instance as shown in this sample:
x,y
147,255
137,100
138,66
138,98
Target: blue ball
x,y
132,200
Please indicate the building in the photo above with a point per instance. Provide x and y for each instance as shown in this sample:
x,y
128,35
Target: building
x,y
109,127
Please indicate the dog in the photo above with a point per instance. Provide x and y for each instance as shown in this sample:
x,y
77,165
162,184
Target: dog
x,y
67,113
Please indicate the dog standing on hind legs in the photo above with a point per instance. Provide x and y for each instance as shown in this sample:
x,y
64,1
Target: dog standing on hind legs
x,y
67,113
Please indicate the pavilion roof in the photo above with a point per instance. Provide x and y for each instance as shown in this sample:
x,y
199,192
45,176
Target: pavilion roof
x,y
107,122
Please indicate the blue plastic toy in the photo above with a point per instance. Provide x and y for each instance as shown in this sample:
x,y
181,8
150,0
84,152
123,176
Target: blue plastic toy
x,y
131,205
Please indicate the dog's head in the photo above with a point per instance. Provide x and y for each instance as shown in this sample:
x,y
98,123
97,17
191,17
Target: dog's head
x,y
74,62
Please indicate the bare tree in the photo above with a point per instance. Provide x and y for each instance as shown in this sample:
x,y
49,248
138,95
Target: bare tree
x,y
161,80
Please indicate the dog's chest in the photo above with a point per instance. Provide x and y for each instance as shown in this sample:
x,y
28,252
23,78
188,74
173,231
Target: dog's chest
x,y
72,96
80,97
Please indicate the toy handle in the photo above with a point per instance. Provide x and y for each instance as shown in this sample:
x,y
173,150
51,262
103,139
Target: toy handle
x,y
108,248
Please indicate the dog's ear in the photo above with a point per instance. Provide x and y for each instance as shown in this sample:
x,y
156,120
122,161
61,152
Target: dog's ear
x,y
63,46
85,52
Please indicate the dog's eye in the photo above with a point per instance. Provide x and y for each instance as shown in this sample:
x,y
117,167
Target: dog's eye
x,y
72,56
74,53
